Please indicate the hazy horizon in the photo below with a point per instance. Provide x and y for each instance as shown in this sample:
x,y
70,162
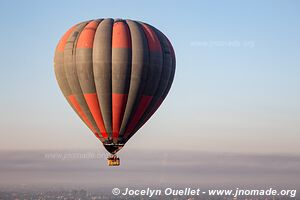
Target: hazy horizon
x,y
88,169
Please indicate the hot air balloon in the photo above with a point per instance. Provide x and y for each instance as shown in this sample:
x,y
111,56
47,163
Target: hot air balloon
x,y
114,74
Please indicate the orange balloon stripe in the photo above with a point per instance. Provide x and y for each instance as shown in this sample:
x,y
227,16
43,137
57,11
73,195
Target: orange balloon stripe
x,y
153,41
86,37
156,106
118,109
62,43
144,102
76,105
121,36
93,104
145,118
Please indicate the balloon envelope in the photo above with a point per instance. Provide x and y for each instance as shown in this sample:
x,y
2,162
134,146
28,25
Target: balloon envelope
x,y
114,74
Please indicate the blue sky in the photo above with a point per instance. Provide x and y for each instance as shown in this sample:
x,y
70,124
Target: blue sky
x,y
236,87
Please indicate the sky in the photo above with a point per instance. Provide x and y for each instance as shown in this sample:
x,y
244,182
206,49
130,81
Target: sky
x,y
236,87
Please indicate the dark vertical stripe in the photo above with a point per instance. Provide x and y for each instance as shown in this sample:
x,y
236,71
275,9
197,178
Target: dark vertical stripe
x,y
59,69
139,67
102,70
164,83
72,76
84,65
153,77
